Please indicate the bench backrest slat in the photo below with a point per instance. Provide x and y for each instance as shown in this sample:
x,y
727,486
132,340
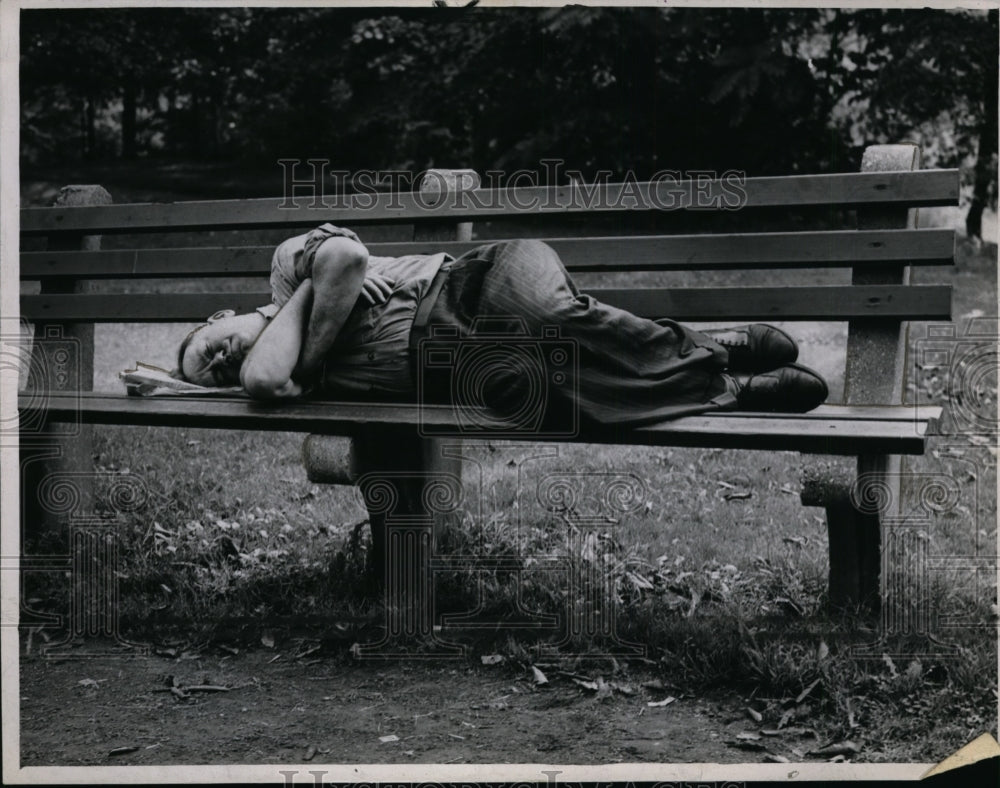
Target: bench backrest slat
x,y
927,302
924,187
662,252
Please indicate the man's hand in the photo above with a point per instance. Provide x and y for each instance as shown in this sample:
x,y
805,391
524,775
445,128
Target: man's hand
x,y
376,289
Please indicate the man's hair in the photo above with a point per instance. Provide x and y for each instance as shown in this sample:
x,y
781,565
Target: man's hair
x,y
179,371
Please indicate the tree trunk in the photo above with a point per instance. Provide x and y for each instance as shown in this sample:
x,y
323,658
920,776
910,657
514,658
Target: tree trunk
x,y
91,144
83,130
197,151
128,119
984,173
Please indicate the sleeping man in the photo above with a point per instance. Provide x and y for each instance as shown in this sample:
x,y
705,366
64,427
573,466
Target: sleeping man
x,y
347,325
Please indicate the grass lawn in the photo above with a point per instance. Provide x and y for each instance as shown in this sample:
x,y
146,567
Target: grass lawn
x,y
718,571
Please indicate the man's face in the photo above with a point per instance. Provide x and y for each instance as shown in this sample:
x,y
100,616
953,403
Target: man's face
x,y
216,350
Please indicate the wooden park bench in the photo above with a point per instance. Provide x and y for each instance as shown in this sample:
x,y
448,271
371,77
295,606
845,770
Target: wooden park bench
x,y
391,441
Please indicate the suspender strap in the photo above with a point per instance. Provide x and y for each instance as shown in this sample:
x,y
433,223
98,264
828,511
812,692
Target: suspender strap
x,y
419,329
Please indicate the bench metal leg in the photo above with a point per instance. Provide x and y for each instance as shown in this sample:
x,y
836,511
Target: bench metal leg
x,y
855,545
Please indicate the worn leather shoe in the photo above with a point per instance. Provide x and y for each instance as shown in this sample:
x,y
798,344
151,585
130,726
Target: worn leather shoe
x,y
792,388
755,348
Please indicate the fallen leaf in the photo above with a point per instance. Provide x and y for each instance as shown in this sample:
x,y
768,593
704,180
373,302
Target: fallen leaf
x,y
491,659
747,745
738,496
310,753
267,638
789,603
773,758
624,689
539,676
206,688
665,702
88,683
805,693
695,599
121,751
754,715
748,736
586,684
389,738
845,747
822,651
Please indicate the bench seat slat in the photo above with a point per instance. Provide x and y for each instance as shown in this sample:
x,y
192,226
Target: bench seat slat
x,y
841,302
660,252
903,189
825,433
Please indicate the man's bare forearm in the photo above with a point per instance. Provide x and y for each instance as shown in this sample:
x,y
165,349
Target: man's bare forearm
x,y
337,275
267,370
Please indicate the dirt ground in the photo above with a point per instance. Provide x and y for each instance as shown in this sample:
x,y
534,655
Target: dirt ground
x,y
282,710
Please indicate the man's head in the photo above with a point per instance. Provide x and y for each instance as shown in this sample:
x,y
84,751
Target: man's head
x,y
211,355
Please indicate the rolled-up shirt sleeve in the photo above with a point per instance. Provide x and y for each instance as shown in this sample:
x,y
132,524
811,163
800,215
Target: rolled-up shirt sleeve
x,y
313,241
293,260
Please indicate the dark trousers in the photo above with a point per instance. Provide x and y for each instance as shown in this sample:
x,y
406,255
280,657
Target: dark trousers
x,y
630,370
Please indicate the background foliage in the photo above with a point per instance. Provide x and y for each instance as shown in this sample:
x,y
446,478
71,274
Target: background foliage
x,y
769,91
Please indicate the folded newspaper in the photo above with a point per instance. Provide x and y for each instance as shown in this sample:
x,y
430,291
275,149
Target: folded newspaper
x,y
147,380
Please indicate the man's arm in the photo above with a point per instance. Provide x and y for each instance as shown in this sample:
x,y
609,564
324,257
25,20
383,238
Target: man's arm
x,y
266,372
338,272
